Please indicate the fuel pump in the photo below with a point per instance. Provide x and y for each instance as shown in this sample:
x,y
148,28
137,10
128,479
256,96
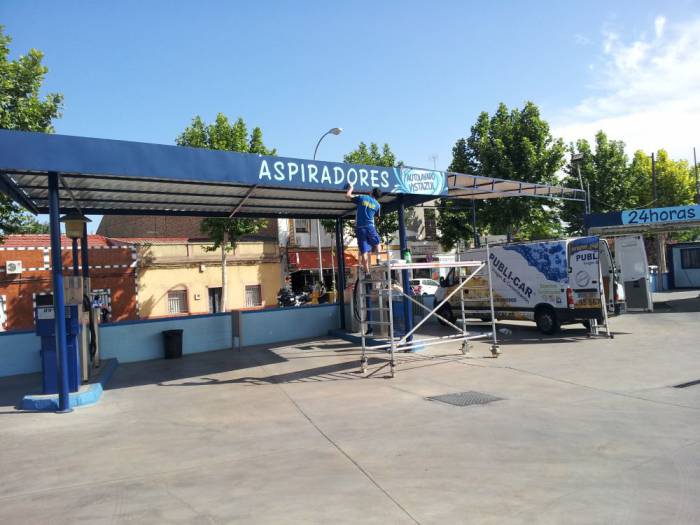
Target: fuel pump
x,y
46,330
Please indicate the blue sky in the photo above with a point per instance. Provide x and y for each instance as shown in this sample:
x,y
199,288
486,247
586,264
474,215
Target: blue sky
x,y
413,74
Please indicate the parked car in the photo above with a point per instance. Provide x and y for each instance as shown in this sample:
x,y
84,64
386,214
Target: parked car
x,y
424,286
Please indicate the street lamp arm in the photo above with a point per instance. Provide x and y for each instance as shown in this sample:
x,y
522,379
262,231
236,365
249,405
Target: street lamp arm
x,y
319,142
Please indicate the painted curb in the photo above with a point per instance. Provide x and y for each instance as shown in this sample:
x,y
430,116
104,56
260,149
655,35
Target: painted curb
x,y
418,346
75,399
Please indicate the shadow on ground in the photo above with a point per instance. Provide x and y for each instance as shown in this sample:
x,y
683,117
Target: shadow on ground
x,y
682,305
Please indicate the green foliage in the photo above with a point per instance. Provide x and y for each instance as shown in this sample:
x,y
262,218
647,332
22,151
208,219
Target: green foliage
x,y
675,182
387,223
515,145
22,108
222,135
605,171
455,218
227,232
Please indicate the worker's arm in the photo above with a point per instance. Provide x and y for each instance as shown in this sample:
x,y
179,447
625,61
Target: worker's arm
x,y
348,194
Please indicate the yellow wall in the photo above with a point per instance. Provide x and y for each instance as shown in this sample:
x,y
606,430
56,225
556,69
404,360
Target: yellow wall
x,y
163,268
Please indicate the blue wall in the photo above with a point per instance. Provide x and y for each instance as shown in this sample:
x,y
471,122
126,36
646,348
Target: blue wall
x,y
19,353
277,325
142,340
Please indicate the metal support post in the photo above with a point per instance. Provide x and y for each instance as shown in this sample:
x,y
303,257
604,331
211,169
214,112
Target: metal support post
x,y
84,253
59,305
403,245
76,263
340,250
320,252
392,341
495,349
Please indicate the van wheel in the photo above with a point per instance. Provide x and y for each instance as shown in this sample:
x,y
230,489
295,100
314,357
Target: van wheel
x,y
547,321
446,312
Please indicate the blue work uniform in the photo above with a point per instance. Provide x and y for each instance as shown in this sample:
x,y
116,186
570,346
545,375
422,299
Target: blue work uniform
x,y
366,233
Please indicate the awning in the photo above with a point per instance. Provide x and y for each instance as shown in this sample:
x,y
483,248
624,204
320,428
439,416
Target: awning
x,y
474,187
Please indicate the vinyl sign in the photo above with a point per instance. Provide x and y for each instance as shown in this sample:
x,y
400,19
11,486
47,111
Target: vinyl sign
x,y
583,260
656,215
337,176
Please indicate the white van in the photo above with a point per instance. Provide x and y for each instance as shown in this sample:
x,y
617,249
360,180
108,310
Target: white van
x,y
549,282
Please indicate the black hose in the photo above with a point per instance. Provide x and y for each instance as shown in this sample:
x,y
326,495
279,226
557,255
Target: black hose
x,y
356,310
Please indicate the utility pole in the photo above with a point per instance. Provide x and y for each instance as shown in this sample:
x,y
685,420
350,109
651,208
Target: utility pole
x,y
660,237
653,178
697,182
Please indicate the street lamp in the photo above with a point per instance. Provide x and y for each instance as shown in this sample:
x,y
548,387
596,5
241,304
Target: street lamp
x,y
332,131
576,159
74,224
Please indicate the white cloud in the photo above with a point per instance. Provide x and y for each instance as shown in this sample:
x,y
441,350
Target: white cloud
x,y
645,92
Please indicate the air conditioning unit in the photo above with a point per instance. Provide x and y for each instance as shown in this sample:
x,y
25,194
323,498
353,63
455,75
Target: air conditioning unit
x,y
13,267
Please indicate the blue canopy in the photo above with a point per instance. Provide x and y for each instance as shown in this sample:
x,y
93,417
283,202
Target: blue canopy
x,y
111,177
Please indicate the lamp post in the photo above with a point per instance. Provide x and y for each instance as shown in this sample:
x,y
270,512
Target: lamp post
x,y
332,131
75,224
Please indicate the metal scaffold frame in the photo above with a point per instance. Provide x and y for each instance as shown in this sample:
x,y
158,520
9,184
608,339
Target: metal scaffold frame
x,y
380,282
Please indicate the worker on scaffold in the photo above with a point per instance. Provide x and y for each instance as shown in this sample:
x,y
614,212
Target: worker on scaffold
x,y
368,208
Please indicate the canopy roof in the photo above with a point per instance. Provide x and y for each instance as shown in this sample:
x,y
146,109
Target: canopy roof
x,y
474,187
112,177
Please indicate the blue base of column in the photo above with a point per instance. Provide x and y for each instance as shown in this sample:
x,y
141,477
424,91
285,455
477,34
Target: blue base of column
x,y
416,345
89,396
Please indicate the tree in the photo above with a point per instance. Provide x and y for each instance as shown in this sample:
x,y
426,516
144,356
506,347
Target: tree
x,y
221,135
22,108
455,218
606,174
675,183
515,145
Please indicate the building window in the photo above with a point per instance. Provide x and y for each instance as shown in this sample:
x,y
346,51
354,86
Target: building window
x,y
253,295
430,225
690,258
177,301
301,226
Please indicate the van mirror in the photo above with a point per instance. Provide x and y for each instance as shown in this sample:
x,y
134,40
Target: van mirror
x,y
443,283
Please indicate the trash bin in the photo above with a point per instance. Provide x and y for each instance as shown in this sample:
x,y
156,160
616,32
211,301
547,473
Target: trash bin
x,y
173,343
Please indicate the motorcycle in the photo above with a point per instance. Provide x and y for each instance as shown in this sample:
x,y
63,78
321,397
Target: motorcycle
x,y
287,298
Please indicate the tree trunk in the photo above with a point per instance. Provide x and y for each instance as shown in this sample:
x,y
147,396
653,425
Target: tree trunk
x,y
224,294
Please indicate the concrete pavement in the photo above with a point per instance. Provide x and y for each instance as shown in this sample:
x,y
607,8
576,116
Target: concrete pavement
x,y
588,431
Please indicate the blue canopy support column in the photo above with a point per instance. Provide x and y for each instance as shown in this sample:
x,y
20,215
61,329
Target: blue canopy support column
x,y
340,251
405,278
84,254
59,305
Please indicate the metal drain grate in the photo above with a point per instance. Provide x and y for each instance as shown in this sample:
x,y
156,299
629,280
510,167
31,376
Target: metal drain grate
x,y
463,399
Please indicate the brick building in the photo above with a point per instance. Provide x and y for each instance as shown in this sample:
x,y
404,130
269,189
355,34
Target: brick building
x,y
152,226
25,274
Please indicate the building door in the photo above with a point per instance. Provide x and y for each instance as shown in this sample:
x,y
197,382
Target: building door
x,y
214,300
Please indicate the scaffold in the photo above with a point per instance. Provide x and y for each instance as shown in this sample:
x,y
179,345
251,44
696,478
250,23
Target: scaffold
x,y
378,293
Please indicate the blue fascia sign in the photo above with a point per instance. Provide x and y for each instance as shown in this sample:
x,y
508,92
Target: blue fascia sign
x,y
661,215
334,176
43,152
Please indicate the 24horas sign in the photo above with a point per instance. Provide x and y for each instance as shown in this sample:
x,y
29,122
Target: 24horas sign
x,y
657,215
